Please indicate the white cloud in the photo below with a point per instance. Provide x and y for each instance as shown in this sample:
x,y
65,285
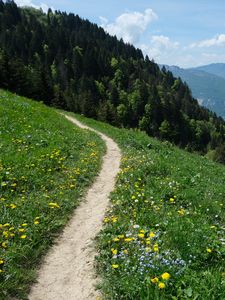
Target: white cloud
x,y
130,26
160,47
43,6
163,42
218,40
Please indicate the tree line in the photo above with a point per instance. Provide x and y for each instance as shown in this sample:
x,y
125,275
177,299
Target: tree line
x,y
70,63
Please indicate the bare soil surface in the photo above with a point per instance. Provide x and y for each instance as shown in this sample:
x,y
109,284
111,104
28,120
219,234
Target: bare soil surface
x,y
68,269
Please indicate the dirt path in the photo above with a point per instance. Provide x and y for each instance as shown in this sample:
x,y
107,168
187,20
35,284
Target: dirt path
x,y
67,272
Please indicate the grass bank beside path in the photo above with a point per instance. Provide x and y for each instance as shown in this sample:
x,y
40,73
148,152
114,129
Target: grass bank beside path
x,y
46,164
164,232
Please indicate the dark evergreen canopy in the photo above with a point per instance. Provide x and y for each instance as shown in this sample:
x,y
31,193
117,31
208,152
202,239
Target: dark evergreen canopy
x,y
70,63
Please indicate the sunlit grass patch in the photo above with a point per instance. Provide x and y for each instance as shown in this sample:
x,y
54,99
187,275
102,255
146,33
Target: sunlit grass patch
x,y
167,217
45,165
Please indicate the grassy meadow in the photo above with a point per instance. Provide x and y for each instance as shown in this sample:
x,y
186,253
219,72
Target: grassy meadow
x,y
46,163
163,236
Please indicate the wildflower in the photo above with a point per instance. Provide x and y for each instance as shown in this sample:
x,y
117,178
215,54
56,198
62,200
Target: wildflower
x,y
165,276
114,251
115,240
141,235
1,261
128,240
23,236
12,206
181,212
156,248
53,205
115,266
155,280
121,236
152,234
114,219
209,250
5,244
172,200
161,285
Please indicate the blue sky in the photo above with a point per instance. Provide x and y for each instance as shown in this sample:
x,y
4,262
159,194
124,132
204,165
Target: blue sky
x,y
186,33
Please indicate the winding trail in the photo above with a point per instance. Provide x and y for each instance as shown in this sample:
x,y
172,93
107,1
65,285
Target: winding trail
x,y
67,272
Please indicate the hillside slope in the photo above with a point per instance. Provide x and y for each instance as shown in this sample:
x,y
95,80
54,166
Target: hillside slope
x,y
46,163
208,88
73,64
164,232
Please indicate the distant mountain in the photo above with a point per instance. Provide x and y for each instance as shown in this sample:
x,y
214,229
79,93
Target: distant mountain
x,y
216,69
207,87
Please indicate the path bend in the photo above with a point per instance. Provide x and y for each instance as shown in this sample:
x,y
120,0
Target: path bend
x,y
67,272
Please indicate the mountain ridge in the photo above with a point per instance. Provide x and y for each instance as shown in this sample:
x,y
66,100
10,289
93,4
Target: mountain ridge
x,y
207,87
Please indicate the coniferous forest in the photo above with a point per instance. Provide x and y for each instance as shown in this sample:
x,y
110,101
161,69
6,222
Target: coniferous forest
x,y
70,63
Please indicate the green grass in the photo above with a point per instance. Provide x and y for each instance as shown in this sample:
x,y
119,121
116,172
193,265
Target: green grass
x,y
46,163
167,216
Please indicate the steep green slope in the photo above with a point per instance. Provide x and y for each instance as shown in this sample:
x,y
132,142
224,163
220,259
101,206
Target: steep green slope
x,y
164,233
208,88
45,165
73,64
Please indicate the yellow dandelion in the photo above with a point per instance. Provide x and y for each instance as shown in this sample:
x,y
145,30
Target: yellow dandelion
x,y
116,240
128,240
209,250
181,212
115,266
121,236
155,280
114,251
165,276
5,244
156,248
53,205
152,234
23,236
12,206
161,285
141,235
